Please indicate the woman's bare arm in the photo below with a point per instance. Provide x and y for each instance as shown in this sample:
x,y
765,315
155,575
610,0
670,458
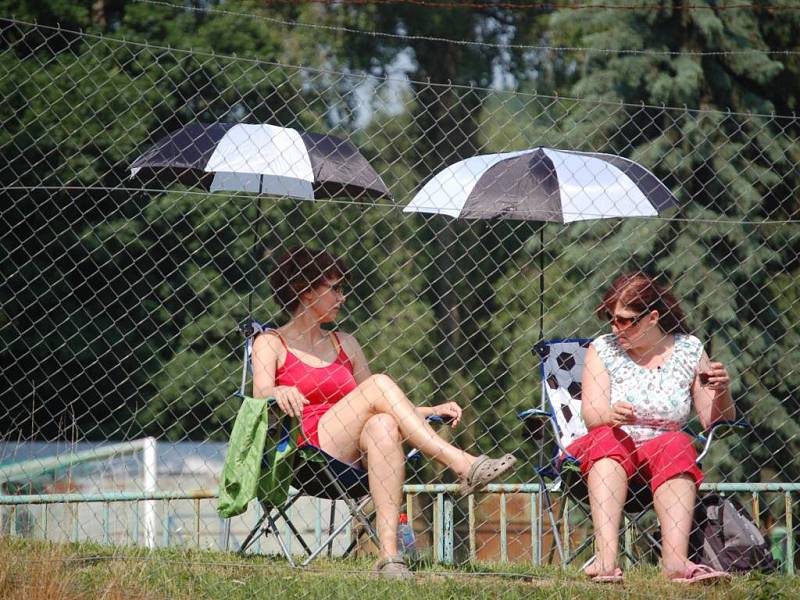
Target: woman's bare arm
x,y
356,355
713,401
267,351
595,392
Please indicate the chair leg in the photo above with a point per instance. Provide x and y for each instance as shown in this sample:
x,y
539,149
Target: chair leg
x,y
358,537
261,529
356,509
360,506
644,531
552,517
254,533
279,537
581,547
294,531
330,527
592,558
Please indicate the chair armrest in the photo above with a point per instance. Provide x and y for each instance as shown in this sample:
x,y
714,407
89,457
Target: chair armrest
x,y
269,400
722,429
719,429
727,427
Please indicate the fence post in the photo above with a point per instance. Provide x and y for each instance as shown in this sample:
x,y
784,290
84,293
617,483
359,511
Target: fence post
x,y
789,533
149,506
448,530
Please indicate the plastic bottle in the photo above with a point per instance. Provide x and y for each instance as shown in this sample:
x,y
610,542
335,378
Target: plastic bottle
x,y
406,544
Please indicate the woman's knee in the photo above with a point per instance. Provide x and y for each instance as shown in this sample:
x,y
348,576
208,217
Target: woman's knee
x,y
606,466
381,381
381,387
382,429
677,443
604,443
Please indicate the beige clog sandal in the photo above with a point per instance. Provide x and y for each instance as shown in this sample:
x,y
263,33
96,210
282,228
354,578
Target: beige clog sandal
x,y
485,470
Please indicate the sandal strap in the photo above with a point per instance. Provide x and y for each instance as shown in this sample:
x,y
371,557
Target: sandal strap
x,y
473,470
390,560
480,464
699,569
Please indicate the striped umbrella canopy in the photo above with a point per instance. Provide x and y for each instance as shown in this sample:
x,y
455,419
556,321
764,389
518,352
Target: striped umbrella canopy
x,y
543,184
260,158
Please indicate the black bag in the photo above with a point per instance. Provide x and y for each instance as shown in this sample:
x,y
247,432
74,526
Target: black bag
x,y
725,538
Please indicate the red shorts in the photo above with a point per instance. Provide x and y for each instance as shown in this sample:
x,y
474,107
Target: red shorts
x,y
654,461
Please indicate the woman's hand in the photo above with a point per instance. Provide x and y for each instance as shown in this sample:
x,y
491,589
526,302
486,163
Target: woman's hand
x,y
714,376
621,413
448,410
290,400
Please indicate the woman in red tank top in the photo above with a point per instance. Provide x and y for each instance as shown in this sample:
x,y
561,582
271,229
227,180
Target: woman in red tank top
x,y
321,386
323,378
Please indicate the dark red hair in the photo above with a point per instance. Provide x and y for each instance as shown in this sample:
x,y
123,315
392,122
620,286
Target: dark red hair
x,y
300,269
641,293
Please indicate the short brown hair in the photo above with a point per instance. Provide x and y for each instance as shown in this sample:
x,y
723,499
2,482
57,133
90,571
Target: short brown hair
x,y
300,269
641,293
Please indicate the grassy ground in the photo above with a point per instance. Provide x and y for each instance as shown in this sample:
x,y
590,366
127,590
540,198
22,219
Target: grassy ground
x,y
39,571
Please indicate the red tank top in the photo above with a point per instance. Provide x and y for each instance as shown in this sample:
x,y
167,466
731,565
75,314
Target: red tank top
x,y
321,385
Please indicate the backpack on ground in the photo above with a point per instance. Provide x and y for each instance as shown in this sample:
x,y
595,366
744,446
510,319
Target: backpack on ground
x,y
725,538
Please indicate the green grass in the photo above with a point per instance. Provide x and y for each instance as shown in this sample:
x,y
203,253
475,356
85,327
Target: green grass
x,y
36,570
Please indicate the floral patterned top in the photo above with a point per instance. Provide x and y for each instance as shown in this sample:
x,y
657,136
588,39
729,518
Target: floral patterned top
x,y
661,398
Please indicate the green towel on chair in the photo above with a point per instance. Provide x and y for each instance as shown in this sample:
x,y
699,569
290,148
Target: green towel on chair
x,y
242,477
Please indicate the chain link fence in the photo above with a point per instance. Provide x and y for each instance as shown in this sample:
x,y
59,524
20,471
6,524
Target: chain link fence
x,y
121,303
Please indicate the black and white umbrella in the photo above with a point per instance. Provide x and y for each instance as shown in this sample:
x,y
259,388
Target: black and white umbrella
x,y
543,184
260,158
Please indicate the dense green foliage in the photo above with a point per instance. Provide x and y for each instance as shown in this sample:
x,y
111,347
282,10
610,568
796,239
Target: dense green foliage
x,y
120,306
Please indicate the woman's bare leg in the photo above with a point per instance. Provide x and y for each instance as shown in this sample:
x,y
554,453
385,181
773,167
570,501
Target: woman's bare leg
x,y
608,488
341,427
674,503
382,443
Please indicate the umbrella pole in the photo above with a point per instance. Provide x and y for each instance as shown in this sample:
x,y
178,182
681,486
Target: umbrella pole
x,y
256,237
541,283
254,249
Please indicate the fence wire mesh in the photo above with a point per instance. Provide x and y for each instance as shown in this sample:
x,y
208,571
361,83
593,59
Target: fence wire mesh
x,y
122,298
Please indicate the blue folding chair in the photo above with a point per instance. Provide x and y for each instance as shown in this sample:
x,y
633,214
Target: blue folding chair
x,y
316,474
561,369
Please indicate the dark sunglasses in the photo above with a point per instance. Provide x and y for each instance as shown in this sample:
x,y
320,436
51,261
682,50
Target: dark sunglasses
x,y
337,287
625,322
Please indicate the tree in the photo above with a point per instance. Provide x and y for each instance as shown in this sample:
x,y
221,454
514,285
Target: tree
x,y
730,171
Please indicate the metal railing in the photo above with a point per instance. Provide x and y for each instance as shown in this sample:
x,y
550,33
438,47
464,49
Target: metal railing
x,y
443,530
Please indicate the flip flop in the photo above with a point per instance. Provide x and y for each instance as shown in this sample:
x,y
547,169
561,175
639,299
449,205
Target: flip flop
x,y
615,577
485,470
700,574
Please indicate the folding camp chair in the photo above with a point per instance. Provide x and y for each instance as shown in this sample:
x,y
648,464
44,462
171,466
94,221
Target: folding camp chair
x,y
561,367
315,473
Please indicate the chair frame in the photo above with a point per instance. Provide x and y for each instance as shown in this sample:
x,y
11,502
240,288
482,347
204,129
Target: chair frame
x,y
355,496
356,506
636,506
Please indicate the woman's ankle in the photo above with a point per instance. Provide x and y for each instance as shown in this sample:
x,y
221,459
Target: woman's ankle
x,y
601,568
675,567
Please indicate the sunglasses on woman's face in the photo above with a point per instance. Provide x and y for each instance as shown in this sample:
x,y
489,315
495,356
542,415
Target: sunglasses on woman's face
x,y
623,322
336,286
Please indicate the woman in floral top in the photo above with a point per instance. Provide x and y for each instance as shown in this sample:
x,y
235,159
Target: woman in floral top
x,y
639,383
